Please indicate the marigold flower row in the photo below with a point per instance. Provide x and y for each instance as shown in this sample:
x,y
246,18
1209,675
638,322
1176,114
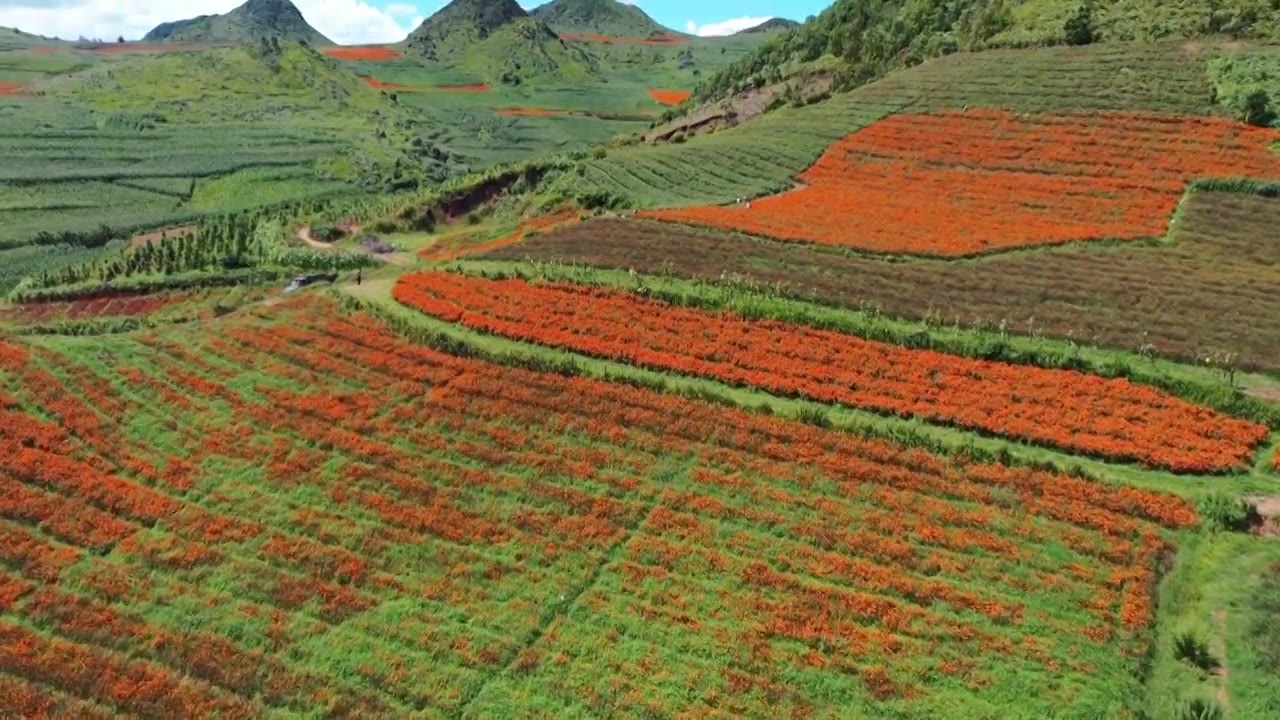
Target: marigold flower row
x,y
1109,418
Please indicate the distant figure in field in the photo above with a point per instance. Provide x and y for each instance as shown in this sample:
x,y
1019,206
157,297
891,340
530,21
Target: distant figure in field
x,y
359,276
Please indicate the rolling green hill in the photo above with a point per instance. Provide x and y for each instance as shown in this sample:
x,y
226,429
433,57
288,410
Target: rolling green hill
x,y
598,17
15,39
252,21
265,81
499,41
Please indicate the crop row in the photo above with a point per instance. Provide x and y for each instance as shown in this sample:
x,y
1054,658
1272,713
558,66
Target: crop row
x,y
363,524
1199,298
1113,419
968,182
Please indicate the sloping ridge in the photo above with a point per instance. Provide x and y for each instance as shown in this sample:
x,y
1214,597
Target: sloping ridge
x,y
770,25
252,21
599,17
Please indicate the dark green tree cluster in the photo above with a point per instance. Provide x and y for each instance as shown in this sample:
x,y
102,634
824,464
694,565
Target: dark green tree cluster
x,y
871,36
228,242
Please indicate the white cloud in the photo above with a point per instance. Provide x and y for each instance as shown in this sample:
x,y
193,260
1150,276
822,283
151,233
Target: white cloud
x,y
344,21
727,27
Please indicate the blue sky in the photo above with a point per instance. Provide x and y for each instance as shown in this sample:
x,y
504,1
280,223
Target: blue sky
x,y
358,21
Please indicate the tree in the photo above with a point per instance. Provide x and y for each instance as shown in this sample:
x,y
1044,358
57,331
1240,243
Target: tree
x,y
1257,109
120,40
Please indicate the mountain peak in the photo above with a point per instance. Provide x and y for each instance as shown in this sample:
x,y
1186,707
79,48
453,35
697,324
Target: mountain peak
x,y
770,25
254,20
598,17
462,21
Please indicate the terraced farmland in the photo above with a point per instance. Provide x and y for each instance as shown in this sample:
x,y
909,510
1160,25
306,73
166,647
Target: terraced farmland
x,y
764,156
366,524
1204,293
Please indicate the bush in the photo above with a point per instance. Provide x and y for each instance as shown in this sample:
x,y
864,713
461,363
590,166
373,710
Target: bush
x,y
1200,709
600,153
1257,109
327,233
1221,512
1188,647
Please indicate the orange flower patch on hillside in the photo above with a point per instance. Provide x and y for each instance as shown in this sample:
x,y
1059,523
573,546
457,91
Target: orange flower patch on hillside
x,y
366,54
962,183
460,248
1107,418
377,84
532,112
10,88
475,88
609,39
669,97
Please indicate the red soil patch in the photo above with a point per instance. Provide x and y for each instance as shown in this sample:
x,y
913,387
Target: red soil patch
x,y
532,112
476,88
655,40
93,306
963,183
366,54
379,85
10,88
669,97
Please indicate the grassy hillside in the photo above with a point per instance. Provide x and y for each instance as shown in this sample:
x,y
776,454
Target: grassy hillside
x,y
764,155
598,17
255,82
872,38
16,39
254,20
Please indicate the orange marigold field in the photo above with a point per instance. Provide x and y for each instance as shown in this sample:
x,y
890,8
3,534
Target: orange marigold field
x,y
962,183
366,54
669,97
440,514
1109,418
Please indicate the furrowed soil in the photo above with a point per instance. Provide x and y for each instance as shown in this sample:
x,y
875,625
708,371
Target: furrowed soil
x,y
1208,291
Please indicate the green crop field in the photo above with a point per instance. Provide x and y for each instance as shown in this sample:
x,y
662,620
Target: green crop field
x,y
923,365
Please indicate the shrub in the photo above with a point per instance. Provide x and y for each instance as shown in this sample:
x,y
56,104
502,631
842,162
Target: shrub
x,y
1190,648
1221,512
1200,709
327,233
